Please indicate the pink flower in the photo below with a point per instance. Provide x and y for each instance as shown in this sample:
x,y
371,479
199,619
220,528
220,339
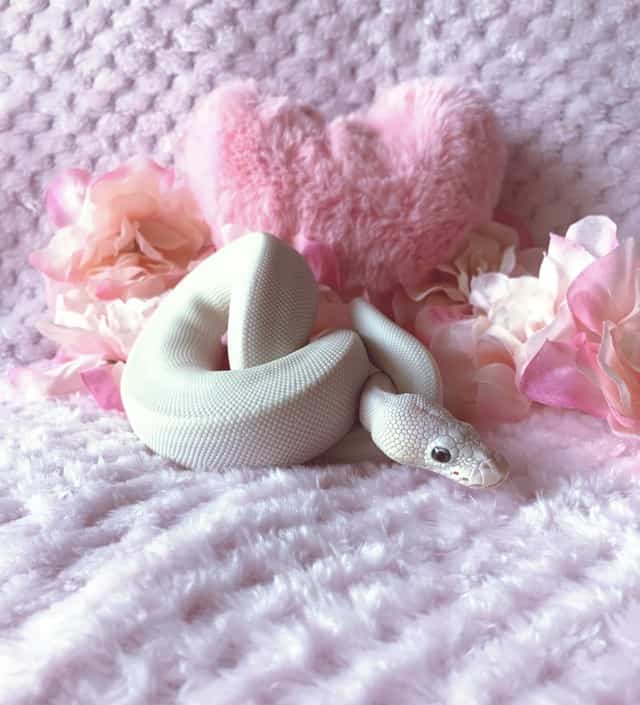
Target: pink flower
x,y
567,335
123,240
130,233
493,247
84,325
474,356
573,331
478,373
95,338
588,358
65,375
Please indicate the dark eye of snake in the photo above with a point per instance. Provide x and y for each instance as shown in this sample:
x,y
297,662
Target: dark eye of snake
x,y
441,455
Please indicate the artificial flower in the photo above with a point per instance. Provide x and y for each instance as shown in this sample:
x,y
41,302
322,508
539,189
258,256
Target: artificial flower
x,y
123,240
476,364
84,325
494,247
132,232
478,373
65,374
588,358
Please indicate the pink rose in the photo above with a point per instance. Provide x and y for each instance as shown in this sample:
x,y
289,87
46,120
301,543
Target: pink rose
x,y
588,358
132,232
65,375
478,373
573,332
84,325
123,240
493,247
523,309
477,366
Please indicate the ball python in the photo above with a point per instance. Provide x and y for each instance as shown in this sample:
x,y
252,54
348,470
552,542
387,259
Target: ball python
x,y
287,400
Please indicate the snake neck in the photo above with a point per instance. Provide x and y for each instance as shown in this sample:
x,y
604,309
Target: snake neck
x,y
375,402
400,425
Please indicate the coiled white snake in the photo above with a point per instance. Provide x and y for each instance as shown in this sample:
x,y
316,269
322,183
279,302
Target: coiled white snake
x,y
286,400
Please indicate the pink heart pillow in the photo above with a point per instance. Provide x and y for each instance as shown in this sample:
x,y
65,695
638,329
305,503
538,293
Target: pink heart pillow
x,y
389,192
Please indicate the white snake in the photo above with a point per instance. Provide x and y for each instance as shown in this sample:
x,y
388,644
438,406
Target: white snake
x,y
285,400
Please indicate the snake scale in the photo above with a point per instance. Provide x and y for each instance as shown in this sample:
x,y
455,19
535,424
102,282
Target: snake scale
x,y
287,400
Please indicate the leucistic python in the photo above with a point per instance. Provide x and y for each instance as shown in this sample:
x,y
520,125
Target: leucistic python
x,y
286,400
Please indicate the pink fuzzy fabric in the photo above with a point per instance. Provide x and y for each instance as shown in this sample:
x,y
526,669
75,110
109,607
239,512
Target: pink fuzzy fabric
x,y
393,190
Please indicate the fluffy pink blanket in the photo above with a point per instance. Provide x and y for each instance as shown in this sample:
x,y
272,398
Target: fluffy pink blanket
x,y
127,581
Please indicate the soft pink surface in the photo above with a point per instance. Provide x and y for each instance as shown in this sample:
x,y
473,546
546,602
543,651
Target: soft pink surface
x,y
128,580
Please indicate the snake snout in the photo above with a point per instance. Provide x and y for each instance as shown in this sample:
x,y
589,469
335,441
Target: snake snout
x,y
490,472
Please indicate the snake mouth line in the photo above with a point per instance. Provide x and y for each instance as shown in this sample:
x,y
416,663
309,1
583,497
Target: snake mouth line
x,y
500,482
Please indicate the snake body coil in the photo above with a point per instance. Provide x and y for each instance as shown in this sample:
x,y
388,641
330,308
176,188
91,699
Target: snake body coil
x,y
285,400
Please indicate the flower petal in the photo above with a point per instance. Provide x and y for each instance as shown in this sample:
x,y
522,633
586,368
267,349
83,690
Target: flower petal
x,y
453,349
508,260
453,292
499,232
479,379
138,174
518,306
432,316
403,309
562,263
562,328
104,386
76,341
498,398
626,338
332,313
606,289
60,258
554,377
57,377
489,289
65,196
619,382
83,325
623,425
597,234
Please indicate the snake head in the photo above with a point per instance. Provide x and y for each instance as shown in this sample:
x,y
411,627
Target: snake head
x,y
458,452
419,432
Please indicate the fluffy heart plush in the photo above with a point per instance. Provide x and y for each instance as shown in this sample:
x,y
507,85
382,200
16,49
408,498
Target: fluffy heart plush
x,y
387,193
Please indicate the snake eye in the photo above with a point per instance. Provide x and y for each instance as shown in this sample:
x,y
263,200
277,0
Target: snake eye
x,y
441,455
